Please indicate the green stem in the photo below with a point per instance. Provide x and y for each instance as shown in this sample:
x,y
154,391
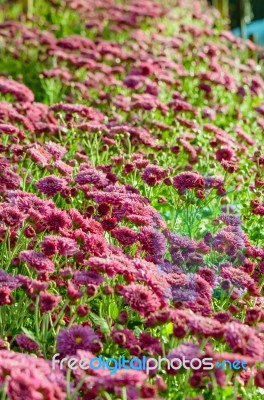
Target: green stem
x,y
37,318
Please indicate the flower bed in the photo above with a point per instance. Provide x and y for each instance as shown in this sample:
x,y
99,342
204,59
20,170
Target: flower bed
x,y
131,189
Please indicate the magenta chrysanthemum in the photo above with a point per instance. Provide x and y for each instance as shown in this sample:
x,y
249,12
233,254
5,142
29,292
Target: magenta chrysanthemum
x,y
188,180
140,298
50,185
37,260
59,245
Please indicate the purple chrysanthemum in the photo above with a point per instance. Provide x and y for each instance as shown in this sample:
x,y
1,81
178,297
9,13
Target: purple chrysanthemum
x,y
77,337
229,219
37,260
92,176
50,185
25,343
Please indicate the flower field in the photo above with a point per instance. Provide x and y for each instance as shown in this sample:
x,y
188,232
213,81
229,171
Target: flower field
x,y
131,200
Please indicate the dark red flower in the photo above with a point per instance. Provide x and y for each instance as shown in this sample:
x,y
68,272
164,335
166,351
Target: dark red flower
x,y
259,378
225,153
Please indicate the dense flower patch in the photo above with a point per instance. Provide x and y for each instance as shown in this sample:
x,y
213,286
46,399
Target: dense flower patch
x,y
131,189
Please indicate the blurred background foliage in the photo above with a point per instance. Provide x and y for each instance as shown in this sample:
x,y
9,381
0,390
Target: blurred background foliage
x,y
246,16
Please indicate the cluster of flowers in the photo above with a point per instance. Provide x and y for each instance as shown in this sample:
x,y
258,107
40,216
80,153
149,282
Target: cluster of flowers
x,y
116,228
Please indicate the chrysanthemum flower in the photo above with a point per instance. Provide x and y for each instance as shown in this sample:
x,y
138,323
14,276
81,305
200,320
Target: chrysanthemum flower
x,y
56,149
5,296
153,242
11,216
48,302
244,340
60,245
50,185
125,378
29,376
124,235
9,180
77,337
8,280
187,350
259,377
153,174
56,220
124,337
25,343
188,180
206,327
87,277
92,176
37,260
230,219
140,298
63,168
240,279
16,89
226,153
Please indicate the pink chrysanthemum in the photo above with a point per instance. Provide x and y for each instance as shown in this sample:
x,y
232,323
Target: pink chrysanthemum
x,y
140,298
259,377
153,242
9,180
110,265
11,216
230,219
29,376
16,89
57,220
124,235
60,245
87,277
87,112
63,168
240,279
187,350
244,340
153,174
5,296
206,327
55,149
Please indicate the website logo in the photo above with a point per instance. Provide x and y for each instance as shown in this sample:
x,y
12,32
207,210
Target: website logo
x,y
144,364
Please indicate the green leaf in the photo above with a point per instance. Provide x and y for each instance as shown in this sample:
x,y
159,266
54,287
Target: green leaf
x,y
113,310
100,321
168,329
29,334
